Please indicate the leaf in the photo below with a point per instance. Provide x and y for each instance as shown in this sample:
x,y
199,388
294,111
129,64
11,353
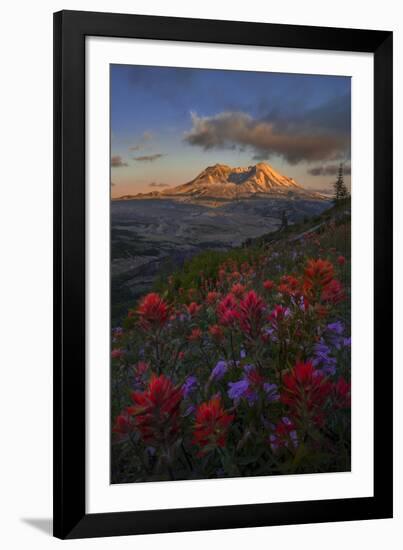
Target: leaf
x,y
245,460
300,455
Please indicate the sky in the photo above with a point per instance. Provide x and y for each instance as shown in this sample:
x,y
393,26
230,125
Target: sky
x,y
168,124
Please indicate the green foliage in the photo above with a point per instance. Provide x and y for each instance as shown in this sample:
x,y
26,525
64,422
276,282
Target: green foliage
x,y
204,266
341,193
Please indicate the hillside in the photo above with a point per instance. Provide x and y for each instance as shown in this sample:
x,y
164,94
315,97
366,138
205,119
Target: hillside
x,y
153,237
255,341
295,235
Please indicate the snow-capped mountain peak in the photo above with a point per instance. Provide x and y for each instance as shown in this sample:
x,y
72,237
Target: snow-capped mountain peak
x,y
222,181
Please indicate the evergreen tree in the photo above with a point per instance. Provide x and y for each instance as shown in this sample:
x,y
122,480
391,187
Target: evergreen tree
x,y
340,190
284,220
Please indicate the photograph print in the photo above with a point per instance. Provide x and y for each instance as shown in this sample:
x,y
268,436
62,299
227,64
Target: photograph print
x,y
230,273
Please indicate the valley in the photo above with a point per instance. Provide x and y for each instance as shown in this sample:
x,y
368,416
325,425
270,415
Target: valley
x,y
151,237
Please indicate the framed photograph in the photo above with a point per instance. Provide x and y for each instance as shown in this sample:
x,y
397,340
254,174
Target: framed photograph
x,y
223,274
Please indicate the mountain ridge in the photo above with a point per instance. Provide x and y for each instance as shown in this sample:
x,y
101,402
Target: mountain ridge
x,y
221,181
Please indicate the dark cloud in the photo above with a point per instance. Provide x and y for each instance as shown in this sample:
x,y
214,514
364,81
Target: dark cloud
x,y
260,157
156,184
295,139
329,170
149,158
333,116
117,161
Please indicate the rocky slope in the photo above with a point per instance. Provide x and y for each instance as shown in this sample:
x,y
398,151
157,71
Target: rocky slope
x,y
225,183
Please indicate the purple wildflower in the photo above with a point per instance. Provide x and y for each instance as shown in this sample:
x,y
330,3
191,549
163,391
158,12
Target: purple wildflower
x,y
270,333
239,389
117,333
189,385
336,337
294,438
337,327
219,370
249,368
271,391
190,410
323,359
273,442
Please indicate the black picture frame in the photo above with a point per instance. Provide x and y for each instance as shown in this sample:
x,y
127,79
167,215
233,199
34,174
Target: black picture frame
x,y
70,517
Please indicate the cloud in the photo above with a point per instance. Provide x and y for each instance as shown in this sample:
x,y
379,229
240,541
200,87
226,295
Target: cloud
x,y
329,170
117,161
296,139
149,158
156,184
147,136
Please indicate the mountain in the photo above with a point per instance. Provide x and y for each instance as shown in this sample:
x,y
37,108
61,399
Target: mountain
x,y
223,182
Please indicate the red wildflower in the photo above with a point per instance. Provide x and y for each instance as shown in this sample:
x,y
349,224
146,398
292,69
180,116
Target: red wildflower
x,y
212,297
227,310
245,267
234,276
268,284
193,309
216,332
305,392
117,353
321,311
341,260
255,379
192,293
181,355
195,335
122,424
211,426
153,311
284,435
238,290
333,292
279,313
342,393
252,310
289,285
156,410
141,368
318,273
